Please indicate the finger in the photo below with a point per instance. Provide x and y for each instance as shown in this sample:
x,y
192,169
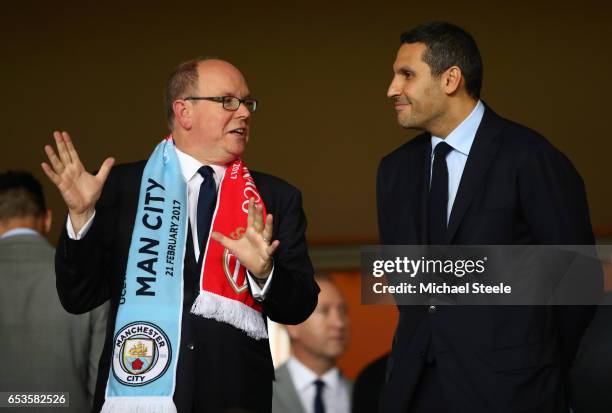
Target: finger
x,y
258,224
221,239
270,250
71,149
105,169
61,148
253,236
52,175
267,231
56,163
250,216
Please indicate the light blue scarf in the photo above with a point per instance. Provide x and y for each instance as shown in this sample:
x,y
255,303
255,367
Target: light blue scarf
x,y
148,325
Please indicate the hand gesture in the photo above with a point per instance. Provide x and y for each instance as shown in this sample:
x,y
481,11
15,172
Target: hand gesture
x,y
254,249
79,188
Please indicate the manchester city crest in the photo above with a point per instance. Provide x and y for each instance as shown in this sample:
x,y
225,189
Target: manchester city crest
x,y
141,353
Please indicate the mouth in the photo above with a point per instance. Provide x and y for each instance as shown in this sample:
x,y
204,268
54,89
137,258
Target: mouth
x,y
238,132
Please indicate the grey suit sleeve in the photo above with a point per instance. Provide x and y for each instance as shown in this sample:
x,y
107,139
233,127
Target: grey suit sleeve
x,y
98,317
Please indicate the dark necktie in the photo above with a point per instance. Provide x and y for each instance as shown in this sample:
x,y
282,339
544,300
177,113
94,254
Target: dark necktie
x,y
207,199
438,195
319,407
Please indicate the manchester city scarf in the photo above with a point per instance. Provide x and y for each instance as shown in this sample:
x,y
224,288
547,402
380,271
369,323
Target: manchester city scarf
x,y
148,324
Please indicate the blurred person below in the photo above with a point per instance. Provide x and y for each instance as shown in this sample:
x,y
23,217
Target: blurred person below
x,y
310,381
43,348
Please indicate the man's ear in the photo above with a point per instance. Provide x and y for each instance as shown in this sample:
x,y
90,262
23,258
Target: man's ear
x,y
48,220
183,111
451,79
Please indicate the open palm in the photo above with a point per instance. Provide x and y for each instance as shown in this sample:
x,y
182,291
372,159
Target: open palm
x,y
79,188
254,249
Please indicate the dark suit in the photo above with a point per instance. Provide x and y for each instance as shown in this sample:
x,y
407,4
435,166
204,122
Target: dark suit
x,y
219,366
516,188
369,385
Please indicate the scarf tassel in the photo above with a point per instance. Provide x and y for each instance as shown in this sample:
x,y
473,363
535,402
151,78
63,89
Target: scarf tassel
x,y
233,312
126,404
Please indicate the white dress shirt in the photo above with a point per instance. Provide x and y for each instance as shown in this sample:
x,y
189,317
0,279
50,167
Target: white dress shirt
x,y
336,395
189,168
461,140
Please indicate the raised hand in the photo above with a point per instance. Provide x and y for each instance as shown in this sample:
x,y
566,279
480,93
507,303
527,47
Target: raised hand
x,y
254,249
79,188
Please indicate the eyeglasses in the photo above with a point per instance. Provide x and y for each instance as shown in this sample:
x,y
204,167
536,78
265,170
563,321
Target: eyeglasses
x,y
231,103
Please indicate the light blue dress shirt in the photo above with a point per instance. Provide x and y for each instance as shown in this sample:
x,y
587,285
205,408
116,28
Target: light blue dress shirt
x,y
19,231
461,140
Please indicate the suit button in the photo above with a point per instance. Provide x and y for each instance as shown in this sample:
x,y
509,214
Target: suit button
x,y
190,346
432,309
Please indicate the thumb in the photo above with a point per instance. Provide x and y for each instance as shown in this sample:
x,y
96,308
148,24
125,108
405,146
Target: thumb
x,y
105,169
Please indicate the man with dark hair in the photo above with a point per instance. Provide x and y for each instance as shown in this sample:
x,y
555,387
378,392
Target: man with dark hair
x,y
30,311
185,247
474,178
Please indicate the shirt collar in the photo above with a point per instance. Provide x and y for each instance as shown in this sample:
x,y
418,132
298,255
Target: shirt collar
x,y
303,377
19,231
462,137
190,166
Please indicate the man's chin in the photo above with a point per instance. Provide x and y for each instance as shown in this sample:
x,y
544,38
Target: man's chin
x,y
236,153
407,125
408,122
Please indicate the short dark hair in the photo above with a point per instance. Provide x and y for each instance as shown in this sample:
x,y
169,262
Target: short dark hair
x,y
21,195
184,79
449,45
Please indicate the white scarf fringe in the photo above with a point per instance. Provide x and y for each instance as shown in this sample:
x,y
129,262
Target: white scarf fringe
x,y
127,404
233,312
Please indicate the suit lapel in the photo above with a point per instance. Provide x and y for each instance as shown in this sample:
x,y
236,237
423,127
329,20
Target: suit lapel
x,y
423,233
286,390
486,143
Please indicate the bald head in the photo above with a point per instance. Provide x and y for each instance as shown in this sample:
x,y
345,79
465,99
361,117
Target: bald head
x,y
323,337
209,66
184,80
203,125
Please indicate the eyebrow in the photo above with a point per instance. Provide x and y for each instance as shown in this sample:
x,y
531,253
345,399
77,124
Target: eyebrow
x,y
404,69
231,94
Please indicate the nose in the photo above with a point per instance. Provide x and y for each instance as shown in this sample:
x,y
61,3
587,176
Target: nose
x,y
394,88
338,319
242,112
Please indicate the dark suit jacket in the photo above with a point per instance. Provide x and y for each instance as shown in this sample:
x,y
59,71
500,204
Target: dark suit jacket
x,y
219,367
369,385
516,188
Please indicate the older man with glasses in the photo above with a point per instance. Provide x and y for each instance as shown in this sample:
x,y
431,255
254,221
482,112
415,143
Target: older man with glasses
x,y
192,249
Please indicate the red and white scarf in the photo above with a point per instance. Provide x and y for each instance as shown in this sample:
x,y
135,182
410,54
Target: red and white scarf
x,y
224,292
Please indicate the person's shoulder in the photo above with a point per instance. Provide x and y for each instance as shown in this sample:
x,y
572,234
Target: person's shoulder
x,y
413,148
282,372
123,178
128,168
126,173
526,141
265,181
30,242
